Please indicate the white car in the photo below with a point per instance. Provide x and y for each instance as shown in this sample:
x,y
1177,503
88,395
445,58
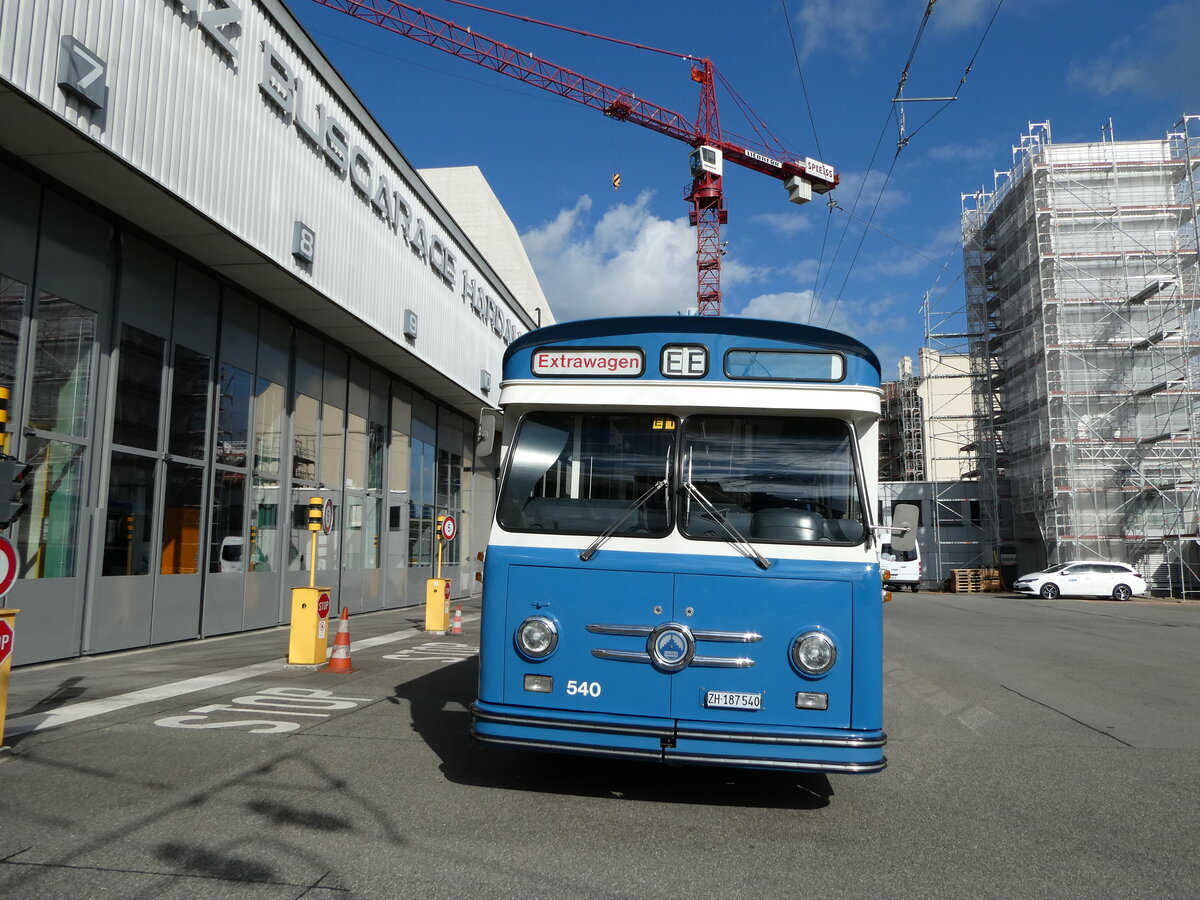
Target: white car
x,y
1084,579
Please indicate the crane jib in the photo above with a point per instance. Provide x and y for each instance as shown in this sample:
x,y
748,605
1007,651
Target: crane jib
x,y
802,178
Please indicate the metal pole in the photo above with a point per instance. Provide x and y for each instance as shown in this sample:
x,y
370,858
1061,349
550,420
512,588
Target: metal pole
x,y
312,562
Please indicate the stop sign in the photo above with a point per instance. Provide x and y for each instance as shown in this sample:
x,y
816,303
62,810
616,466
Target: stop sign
x,y
323,606
6,640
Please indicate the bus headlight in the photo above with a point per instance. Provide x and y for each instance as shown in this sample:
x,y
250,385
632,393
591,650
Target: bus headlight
x,y
537,637
814,653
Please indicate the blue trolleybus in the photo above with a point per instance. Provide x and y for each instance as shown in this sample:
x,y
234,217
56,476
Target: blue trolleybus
x,y
683,565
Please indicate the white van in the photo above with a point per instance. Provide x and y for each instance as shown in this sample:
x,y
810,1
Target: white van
x,y
903,566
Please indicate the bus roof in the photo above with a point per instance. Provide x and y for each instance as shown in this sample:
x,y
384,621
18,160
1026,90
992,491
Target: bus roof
x,y
769,333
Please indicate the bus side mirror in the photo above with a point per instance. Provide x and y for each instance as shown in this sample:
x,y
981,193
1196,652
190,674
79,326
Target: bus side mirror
x,y
485,437
904,527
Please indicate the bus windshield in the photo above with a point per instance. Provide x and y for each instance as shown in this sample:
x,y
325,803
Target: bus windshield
x,y
775,479
579,473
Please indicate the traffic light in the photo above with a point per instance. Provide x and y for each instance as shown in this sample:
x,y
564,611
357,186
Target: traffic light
x,y
3,420
14,483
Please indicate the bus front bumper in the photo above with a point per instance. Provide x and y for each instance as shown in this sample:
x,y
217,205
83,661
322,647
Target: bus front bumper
x,y
680,741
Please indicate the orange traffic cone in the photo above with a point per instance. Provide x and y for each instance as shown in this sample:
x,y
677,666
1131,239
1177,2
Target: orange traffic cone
x,y
457,629
339,660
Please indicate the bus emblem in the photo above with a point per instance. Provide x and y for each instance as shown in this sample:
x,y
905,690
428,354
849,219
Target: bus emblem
x,y
671,647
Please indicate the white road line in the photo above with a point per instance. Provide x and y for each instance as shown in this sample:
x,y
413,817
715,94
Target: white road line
x,y
88,708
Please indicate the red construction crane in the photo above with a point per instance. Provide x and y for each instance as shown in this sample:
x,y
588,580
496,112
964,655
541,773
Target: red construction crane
x,y
710,148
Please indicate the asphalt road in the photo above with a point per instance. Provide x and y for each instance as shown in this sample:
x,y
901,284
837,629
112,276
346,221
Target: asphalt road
x,y
1038,749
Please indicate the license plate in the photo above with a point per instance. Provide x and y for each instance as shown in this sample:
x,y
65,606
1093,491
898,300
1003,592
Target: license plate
x,y
732,700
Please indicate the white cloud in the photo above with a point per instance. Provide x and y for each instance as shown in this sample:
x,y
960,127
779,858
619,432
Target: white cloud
x,y
790,306
955,14
802,271
942,250
981,151
889,327
850,28
868,321
855,28
628,262
866,188
784,223
1157,59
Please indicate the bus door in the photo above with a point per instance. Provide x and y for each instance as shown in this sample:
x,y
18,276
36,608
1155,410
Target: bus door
x,y
743,629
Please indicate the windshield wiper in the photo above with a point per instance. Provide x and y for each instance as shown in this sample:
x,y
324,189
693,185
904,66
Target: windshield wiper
x,y
637,504
719,517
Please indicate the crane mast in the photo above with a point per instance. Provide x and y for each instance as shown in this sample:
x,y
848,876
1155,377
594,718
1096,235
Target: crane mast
x,y
710,148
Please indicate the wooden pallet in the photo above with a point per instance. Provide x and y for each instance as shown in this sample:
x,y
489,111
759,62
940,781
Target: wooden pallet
x,y
990,579
966,581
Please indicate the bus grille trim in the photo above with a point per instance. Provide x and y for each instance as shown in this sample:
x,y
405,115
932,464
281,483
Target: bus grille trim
x,y
729,637
709,662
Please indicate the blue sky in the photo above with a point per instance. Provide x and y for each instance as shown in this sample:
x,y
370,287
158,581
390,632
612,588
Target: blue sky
x,y
600,251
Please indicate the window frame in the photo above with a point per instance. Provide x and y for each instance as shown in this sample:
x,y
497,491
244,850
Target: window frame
x,y
670,507
856,472
675,525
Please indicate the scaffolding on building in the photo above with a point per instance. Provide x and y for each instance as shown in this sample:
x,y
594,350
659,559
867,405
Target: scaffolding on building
x,y
901,438
1080,269
891,453
927,417
912,438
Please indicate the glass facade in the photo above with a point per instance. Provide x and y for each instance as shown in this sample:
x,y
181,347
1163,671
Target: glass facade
x,y
129,515
139,389
64,344
48,534
167,476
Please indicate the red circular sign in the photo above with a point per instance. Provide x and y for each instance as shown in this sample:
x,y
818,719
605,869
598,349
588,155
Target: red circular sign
x,y
327,516
323,606
6,640
8,566
449,528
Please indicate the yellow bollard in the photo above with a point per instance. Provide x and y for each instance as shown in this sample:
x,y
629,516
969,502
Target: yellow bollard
x,y
437,590
309,637
8,620
437,605
310,626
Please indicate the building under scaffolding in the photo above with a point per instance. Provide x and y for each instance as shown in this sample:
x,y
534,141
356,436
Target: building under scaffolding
x,y
1081,322
901,431
927,458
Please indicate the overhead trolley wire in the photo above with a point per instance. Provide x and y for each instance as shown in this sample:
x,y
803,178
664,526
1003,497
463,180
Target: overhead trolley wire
x,y
803,87
863,237
871,166
916,43
812,298
905,138
897,98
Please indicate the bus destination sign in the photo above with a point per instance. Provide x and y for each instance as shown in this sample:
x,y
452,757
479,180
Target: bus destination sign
x,y
586,362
